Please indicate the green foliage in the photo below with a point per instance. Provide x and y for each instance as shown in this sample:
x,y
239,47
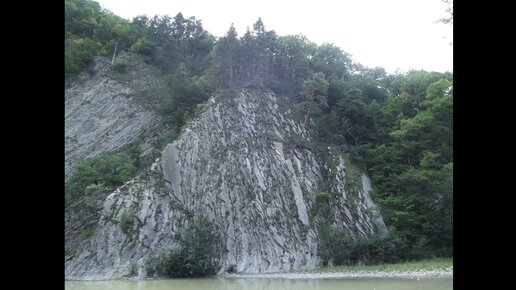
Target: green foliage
x,y
95,189
332,61
186,92
144,47
226,55
133,271
127,222
439,89
151,264
167,138
404,139
119,66
322,205
412,171
91,31
104,172
316,88
398,128
174,263
88,232
231,269
314,100
79,53
341,249
196,253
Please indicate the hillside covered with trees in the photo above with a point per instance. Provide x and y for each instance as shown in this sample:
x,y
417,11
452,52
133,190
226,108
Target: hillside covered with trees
x,y
397,127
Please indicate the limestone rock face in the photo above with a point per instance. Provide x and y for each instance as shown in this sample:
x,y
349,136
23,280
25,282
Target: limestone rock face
x,y
100,116
240,164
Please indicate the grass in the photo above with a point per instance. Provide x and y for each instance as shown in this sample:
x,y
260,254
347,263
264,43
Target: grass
x,y
427,264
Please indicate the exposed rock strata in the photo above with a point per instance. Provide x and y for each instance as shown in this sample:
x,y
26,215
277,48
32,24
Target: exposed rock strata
x,y
238,165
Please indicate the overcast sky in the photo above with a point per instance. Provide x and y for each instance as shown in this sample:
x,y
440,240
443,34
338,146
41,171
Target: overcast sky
x,y
393,34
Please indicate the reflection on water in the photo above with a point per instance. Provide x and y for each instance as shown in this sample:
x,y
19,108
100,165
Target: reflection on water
x,y
267,284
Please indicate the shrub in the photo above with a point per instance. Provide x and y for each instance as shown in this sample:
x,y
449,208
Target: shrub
x,y
174,263
88,232
196,253
151,264
232,269
80,53
345,250
133,271
127,222
103,172
119,67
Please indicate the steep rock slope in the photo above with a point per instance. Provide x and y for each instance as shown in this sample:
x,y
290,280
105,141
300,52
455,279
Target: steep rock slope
x,y
238,165
100,115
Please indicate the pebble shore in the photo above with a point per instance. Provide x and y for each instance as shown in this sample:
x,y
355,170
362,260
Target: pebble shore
x,y
437,273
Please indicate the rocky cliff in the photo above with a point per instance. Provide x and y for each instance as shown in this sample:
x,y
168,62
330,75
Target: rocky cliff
x,y
100,115
240,165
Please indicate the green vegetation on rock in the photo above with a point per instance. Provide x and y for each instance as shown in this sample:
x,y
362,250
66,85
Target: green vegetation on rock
x,y
195,255
104,172
127,222
398,128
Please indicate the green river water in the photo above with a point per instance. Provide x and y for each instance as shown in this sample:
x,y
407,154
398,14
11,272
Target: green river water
x,y
267,284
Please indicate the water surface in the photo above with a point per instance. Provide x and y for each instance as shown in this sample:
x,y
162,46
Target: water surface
x,y
267,284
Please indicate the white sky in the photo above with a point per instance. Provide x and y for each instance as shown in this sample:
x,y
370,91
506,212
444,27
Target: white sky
x,y
393,34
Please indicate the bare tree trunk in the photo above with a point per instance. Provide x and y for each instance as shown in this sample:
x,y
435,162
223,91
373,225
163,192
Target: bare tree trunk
x,y
306,116
308,112
266,77
114,54
231,73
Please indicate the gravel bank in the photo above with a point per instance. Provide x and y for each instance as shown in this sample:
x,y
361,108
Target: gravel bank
x,y
441,273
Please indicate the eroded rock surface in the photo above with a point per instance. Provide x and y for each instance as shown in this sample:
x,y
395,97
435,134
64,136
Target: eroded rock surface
x,y
238,164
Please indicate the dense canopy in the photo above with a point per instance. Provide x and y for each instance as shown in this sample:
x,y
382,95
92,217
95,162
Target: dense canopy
x,y
398,128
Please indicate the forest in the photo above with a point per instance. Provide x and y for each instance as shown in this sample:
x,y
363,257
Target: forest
x,y
398,128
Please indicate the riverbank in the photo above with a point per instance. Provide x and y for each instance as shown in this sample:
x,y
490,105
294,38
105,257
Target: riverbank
x,y
440,268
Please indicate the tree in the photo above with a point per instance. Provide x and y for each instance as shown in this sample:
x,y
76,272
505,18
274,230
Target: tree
x,y
248,47
332,61
79,53
292,62
110,169
315,91
412,171
399,127
196,253
264,49
355,124
226,54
